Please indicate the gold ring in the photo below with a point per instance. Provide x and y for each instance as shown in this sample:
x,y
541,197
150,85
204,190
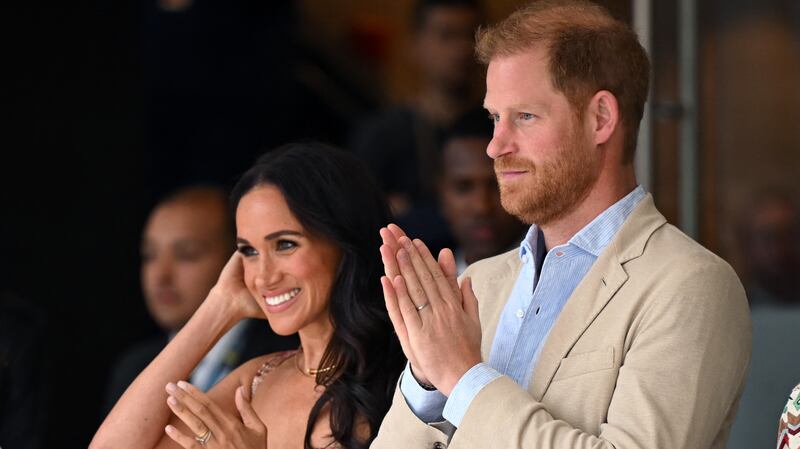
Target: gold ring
x,y
203,439
421,307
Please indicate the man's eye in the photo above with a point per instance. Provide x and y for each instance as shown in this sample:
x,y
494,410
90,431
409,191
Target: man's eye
x,y
247,251
284,245
494,118
526,116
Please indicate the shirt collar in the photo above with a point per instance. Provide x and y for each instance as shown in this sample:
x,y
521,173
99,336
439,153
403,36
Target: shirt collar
x,y
596,235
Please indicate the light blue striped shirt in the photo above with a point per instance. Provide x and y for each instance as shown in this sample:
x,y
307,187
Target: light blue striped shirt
x,y
542,288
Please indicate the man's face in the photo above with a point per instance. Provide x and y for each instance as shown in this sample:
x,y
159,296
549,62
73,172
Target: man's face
x,y
471,200
183,251
544,164
444,45
774,250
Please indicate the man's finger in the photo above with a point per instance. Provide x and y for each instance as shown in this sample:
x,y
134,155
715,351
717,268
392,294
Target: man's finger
x,y
418,276
438,275
407,308
389,259
448,263
396,230
470,301
396,316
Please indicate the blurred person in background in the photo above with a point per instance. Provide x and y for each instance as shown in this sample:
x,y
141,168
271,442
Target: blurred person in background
x,y
470,197
186,242
23,396
771,246
770,238
403,144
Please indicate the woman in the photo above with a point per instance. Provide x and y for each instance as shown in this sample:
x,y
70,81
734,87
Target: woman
x,y
307,218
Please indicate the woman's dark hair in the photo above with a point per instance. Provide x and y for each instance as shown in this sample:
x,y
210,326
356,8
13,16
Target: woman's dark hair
x,y
334,197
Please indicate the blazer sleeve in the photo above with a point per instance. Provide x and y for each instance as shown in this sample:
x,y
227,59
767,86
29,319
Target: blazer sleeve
x,y
680,377
401,429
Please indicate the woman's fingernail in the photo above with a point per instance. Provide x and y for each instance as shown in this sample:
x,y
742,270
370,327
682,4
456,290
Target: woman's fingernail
x,y
172,400
183,385
169,428
170,388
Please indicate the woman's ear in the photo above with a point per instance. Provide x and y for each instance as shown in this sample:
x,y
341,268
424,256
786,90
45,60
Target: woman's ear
x,y
604,116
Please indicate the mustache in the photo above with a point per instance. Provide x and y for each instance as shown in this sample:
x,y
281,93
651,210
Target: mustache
x,y
513,163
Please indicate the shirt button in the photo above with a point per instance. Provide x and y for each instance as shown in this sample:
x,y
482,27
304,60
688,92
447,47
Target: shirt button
x,y
559,254
439,445
520,313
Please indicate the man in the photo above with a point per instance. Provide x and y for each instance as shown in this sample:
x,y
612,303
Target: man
x,y
469,196
402,145
771,241
608,328
186,242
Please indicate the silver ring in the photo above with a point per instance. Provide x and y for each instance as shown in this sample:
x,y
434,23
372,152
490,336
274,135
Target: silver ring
x,y
203,439
421,307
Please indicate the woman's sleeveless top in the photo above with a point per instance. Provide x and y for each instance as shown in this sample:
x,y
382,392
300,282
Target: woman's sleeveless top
x,y
789,426
269,365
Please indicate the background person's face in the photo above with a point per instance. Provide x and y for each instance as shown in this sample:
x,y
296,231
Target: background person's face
x,y
444,45
183,251
471,200
543,161
289,271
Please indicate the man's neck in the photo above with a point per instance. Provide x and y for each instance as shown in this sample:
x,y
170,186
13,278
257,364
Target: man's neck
x,y
595,203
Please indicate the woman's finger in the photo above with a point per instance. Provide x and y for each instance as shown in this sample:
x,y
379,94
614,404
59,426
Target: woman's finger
x,y
249,417
198,416
181,438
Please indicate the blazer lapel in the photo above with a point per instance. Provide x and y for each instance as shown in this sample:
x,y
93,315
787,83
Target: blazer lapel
x,y
592,294
596,289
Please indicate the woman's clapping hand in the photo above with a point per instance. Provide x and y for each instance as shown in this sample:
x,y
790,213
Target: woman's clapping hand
x,y
211,427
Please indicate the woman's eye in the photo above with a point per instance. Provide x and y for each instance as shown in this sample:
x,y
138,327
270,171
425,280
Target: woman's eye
x,y
284,245
246,251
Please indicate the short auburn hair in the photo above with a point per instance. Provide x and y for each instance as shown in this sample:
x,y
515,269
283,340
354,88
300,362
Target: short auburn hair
x,y
588,49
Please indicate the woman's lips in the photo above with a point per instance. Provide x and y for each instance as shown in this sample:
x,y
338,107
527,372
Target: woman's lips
x,y
282,301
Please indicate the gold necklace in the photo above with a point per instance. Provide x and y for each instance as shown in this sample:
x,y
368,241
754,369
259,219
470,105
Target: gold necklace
x,y
310,372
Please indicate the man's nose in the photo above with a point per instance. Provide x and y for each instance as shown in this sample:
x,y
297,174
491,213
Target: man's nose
x,y
501,143
163,270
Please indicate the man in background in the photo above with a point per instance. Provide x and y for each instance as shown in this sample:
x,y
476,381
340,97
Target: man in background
x,y
187,240
402,145
469,195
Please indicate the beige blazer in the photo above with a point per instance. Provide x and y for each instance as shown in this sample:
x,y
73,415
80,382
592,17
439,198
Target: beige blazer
x,y
650,351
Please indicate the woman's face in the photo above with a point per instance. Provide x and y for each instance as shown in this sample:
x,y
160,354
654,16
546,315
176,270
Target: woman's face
x,y
287,270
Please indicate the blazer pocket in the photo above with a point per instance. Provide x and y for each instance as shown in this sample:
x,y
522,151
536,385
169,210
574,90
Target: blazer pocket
x,y
587,362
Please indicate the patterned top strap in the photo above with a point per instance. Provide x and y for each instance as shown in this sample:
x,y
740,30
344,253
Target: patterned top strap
x,y
269,365
789,426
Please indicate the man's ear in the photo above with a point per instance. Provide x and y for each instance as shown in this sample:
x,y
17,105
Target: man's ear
x,y
604,116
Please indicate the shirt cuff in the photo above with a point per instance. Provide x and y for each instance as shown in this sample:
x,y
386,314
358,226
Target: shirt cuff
x,y
470,384
427,405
